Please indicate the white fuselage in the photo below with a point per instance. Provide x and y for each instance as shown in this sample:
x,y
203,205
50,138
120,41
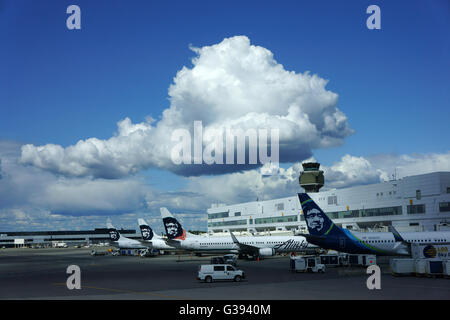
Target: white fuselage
x,y
128,244
159,244
226,244
384,242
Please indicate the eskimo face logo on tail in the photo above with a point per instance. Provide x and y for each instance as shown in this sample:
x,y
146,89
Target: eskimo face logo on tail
x,y
315,220
113,235
174,229
147,233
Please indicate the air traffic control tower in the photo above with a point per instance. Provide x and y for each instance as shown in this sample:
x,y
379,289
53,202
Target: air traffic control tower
x,y
311,179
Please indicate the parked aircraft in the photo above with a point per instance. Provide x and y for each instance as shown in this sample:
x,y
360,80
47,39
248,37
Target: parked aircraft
x,y
121,242
151,238
251,245
324,233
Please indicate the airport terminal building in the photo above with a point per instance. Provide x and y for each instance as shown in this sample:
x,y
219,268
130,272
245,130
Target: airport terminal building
x,y
414,203
49,238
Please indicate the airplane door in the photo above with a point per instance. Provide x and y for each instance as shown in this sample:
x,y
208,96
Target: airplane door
x,y
342,243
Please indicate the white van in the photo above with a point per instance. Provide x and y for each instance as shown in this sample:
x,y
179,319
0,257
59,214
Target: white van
x,y
213,272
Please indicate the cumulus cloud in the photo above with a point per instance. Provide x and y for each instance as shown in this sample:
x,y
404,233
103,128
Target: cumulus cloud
x,y
29,187
411,164
351,171
31,198
34,199
232,84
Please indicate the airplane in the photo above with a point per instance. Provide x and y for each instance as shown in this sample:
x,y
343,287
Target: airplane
x,y
151,238
324,233
121,242
256,246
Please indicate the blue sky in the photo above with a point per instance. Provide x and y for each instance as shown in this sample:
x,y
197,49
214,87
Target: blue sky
x,y
58,86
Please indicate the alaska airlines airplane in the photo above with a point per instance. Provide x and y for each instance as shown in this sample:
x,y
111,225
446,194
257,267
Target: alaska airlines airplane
x,y
324,233
152,239
121,242
251,245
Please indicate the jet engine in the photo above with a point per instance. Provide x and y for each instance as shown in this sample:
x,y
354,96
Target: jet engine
x,y
266,252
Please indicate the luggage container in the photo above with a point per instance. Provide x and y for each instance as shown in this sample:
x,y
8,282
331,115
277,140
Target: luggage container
x,y
353,259
306,264
362,259
129,252
402,267
330,260
446,267
434,268
420,267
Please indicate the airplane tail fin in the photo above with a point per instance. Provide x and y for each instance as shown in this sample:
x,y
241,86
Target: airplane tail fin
x,y
146,231
174,229
114,235
318,223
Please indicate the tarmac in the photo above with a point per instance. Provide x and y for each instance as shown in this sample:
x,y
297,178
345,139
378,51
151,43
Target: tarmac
x,y
41,274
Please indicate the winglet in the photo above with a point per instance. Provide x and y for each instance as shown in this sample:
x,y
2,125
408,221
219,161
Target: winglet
x,y
235,240
396,234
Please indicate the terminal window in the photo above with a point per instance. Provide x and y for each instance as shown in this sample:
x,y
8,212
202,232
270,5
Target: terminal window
x,y
414,209
332,200
218,215
227,223
444,206
388,211
276,219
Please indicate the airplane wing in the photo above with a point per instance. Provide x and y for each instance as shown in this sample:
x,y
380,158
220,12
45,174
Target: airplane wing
x,y
244,248
146,243
173,243
311,238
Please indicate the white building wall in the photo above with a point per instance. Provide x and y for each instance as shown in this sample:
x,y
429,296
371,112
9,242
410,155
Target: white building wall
x,y
433,188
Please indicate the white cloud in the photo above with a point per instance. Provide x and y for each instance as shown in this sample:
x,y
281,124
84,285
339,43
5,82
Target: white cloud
x,y
411,164
352,171
232,84
34,199
29,187
80,196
